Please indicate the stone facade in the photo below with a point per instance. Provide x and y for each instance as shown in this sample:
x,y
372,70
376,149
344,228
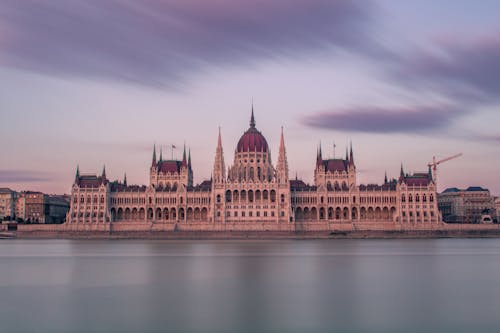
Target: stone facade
x,y
466,205
254,194
7,203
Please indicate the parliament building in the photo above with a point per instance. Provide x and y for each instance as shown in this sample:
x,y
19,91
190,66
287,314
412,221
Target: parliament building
x,y
252,194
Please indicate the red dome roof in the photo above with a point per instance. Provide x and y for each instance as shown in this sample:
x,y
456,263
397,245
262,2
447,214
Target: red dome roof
x,y
252,140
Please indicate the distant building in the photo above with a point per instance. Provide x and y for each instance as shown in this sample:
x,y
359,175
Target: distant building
x,y
497,208
57,208
255,192
20,206
466,205
7,203
42,208
35,210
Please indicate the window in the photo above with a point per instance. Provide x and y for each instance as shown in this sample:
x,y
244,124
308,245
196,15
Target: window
x,y
218,198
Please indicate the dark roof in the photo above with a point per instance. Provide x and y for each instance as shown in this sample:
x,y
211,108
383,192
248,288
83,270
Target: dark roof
x,y
335,164
299,185
169,166
451,189
417,179
475,189
376,187
252,140
117,186
91,181
205,186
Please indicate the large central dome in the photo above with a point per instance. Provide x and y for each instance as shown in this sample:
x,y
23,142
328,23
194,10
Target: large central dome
x,y
252,140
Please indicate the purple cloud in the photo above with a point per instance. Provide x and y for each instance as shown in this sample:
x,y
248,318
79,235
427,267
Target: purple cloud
x,y
463,71
17,176
384,120
159,42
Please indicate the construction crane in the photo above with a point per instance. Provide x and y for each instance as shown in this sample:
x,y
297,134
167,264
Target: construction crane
x,y
435,163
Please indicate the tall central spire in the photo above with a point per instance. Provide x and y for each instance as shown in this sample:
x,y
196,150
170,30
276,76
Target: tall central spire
x,y
252,118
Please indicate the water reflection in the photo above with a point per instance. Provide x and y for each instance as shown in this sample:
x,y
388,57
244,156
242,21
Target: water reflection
x,y
250,286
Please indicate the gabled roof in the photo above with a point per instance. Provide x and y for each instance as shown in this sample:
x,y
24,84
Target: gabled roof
x,y
169,166
475,189
91,181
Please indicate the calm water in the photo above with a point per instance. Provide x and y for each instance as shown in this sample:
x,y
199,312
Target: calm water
x,y
250,286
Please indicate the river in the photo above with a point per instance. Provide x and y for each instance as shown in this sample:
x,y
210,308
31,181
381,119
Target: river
x,y
427,285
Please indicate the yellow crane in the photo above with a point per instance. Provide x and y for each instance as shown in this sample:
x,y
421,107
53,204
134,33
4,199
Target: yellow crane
x,y
435,163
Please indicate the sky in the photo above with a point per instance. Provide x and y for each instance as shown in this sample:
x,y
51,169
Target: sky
x,y
94,83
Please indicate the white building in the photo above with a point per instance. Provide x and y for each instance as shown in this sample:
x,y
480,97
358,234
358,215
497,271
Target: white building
x,y
254,191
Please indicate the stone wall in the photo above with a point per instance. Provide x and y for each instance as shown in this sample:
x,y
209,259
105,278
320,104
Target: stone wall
x,y
309,227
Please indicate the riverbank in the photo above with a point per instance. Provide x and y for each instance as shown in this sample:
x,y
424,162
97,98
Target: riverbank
x,y
406,234
252,231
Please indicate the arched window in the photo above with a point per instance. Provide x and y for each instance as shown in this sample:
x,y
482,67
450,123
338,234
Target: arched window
x,y
218,198
273,196
403,198
431,198
228,196
417,198
410,198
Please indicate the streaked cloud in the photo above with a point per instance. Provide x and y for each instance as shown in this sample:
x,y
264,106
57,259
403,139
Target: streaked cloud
x,y
19,176
160,42
463,70
384,120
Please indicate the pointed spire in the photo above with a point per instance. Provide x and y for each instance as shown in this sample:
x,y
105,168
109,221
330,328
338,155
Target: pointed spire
x,y
351,155
184,159
154,155
125,179
282,166
346,154
385,178
402,173
161,154
77,174
103,172
219,171
320,152
252,118
189,159
219,140
429,174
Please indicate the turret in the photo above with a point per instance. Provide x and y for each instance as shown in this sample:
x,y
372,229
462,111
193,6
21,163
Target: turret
x,y
125,179
153,163
282,165
351,157
219,171
77,175
103,175
189,159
